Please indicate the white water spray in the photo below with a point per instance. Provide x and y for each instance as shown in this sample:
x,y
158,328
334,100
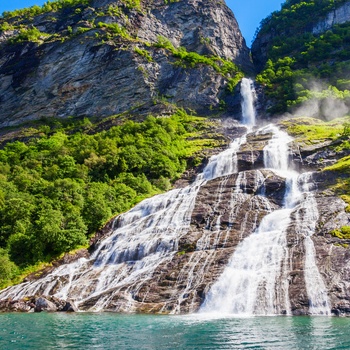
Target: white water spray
x,y
248,101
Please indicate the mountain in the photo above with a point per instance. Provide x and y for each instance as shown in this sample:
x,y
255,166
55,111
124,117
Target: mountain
x,y
302,54
106,101
86,58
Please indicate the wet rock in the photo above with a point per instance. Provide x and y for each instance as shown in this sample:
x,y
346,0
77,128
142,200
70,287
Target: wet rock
x,y
70,307
42,304
9,305
251,154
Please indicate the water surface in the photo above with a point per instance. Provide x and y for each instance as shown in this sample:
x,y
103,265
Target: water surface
x,y
115,331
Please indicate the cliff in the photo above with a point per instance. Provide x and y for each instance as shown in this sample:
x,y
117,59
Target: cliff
x,y
339,15
101,58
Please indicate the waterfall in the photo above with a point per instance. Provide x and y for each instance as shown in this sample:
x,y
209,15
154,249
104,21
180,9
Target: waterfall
x,y
276,153
247,102
256,278
146,239
307,217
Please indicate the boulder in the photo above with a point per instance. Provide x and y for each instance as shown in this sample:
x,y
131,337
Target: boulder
x,y
70,307
42,304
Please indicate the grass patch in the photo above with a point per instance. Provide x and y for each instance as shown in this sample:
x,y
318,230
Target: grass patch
x,y
311,130
342,233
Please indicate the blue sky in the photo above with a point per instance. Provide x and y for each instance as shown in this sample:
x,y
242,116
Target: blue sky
x,y
248,13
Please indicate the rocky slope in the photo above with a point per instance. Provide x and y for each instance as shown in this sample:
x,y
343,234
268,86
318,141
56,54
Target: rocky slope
x,y
227,210
100,58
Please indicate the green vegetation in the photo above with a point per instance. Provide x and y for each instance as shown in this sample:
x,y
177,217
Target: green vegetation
x,y
6,26
8,270
298,58
343,166
114,10
143,53
342,233
186,59
58,188
132,4
114,30
311,130
33,34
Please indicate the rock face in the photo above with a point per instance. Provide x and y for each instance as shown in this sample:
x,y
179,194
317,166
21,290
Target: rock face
x,y
339,15
81,67
37,304
181,269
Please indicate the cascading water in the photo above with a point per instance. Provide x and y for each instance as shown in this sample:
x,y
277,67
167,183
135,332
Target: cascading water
x,y
255,280
147,238
248,101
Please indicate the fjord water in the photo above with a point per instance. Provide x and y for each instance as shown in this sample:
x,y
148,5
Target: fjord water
x,y
134,332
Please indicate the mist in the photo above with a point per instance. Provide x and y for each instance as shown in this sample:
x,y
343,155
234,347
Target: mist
x,y
324,103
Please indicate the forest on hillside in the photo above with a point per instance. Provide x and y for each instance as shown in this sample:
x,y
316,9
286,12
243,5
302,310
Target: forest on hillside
x,y
302,65
62,185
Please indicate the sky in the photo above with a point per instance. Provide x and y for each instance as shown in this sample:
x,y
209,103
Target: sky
x,y
248,13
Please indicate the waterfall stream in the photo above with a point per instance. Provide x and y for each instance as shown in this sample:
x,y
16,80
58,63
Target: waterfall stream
x,y
256,278
255,281
248,102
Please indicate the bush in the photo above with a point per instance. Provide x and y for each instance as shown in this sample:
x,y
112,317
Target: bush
x,y
32,34
8,270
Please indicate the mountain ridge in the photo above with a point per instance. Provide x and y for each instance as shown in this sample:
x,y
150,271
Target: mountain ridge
x,y
116,57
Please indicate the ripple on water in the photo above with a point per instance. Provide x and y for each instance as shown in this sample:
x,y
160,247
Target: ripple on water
x,y
114,331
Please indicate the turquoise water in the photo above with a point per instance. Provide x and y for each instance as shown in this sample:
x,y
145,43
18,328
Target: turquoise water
x,y
113,331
